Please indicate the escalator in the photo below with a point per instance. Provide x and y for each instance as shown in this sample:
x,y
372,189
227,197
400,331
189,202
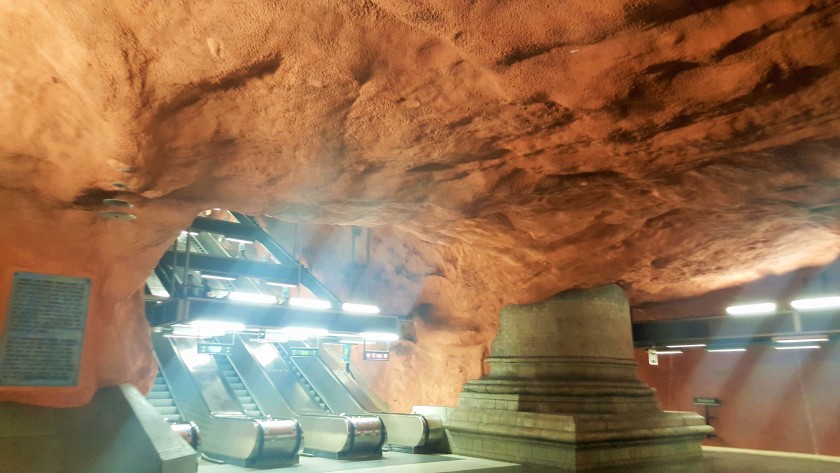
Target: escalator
x,y
235,382
406,432
161,399
228,433
277,390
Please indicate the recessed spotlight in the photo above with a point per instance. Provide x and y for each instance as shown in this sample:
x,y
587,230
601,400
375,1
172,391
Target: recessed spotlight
x,y
116,215
117,203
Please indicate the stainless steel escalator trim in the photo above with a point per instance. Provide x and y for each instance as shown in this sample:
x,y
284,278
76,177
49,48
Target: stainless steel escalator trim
x,y
227,436
326,435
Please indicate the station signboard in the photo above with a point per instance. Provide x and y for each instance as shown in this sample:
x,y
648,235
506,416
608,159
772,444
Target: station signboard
x,y
303,351
376,355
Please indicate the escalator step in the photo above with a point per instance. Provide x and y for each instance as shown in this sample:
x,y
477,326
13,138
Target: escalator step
x,y
237,386
161,402
254,413
159,388
159,395
249,406
171,410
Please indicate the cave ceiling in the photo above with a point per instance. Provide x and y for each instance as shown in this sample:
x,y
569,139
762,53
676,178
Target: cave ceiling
x,y
676,147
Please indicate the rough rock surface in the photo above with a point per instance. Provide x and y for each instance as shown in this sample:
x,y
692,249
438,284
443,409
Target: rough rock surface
x,y
504,150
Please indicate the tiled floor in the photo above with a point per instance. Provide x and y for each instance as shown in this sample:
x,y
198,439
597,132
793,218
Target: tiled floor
x,y
714,461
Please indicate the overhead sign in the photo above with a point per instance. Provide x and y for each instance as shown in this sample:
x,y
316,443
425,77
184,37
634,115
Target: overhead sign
x,y
707,401
302,351
376,355
214,348
44,330
346,351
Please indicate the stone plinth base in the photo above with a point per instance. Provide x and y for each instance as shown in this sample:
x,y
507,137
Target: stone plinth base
x,y
563,392
575,443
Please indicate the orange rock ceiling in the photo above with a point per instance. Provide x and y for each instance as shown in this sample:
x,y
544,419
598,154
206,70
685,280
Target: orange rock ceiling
x,y
502,151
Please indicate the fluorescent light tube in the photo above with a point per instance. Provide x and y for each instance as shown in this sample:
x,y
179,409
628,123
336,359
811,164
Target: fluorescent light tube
x,y
217,325
359,308
752,309
667,352
723,350
302,333
689,345
220,278
239,240
252,297
797,347
816,303
379,336
280,284
310,303
804,339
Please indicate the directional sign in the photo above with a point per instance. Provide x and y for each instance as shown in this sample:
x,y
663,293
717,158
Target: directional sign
x,y
214,348
376,355
707,401
345,352
298,351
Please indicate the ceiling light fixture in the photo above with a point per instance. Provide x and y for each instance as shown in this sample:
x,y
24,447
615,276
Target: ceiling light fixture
x,y
379,336
111,215
817,303
798,347
310,303
220,278
117,203
668,352
217,325
803,339
689,345
280,284
252,297
302,333
724,350
761,308
239,240
359,308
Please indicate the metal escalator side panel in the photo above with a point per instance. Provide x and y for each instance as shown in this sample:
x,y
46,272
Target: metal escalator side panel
x,y
205,373
328,435
360,394
228,438
410,432
328,387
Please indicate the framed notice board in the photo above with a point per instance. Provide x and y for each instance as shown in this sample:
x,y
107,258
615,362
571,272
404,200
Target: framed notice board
x,y
44,330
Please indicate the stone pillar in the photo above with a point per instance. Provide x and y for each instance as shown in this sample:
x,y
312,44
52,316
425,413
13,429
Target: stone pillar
x,y
563,391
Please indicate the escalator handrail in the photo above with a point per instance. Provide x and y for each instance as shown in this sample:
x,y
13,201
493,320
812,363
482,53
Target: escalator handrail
x,y
290,359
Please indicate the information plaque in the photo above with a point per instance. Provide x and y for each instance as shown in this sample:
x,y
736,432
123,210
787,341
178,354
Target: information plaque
x,y
44,330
